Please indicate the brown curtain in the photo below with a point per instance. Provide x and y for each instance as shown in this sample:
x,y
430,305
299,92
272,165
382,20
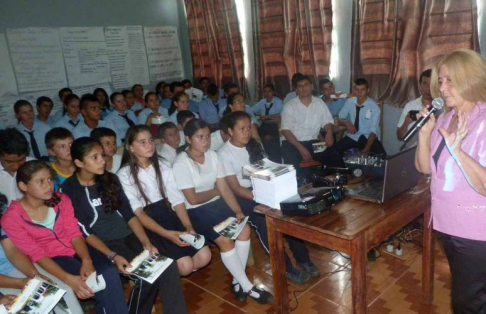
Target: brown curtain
x,y
395,40
215,41
291,36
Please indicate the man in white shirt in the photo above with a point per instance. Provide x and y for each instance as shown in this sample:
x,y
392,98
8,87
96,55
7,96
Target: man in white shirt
x,y
303,119
406,121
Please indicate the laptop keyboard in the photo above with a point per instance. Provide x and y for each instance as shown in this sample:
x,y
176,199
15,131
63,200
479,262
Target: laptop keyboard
x,y
372,192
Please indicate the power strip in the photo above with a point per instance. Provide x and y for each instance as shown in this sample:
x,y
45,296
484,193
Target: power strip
x,y
393,253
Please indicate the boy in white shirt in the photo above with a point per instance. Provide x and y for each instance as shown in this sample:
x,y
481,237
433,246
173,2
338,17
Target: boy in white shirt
x,y
171,139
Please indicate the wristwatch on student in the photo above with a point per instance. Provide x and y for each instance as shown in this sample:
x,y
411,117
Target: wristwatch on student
x,y
111,255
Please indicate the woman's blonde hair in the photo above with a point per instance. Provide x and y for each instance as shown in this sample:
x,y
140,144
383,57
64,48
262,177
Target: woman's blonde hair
x,y
467,71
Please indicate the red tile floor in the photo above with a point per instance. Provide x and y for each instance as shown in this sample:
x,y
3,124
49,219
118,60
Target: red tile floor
x,y
393,284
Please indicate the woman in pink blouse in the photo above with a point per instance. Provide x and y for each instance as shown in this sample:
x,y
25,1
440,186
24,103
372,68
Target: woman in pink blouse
x,y
453,150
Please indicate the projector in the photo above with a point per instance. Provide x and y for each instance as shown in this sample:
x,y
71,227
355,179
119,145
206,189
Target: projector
x,y
312,201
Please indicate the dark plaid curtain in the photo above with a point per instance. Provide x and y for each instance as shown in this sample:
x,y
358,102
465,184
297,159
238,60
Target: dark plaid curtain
x,y
395,40
291,36
215,41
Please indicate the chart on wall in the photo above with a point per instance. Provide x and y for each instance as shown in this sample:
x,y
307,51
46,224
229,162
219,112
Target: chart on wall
x,y
85,55
163,52
128,58
37,58
8,86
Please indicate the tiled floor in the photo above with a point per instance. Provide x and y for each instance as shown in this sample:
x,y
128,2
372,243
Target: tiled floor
x,y
393,284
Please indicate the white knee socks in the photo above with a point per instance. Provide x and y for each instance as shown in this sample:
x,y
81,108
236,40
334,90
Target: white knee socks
x,y
233,263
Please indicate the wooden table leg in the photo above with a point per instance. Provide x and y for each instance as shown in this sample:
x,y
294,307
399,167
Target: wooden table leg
x,y
427,260
277,259
358,274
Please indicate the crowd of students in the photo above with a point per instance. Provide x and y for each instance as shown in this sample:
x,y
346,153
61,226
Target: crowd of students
x,y
73,205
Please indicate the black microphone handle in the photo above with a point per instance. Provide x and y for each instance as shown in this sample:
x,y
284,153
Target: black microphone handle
x,y
418,125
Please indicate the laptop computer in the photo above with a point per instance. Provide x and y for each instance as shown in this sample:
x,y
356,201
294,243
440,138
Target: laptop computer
x,y
400,175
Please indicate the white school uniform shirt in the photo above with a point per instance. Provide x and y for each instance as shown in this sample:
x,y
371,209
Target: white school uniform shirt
x,y
201,177
233,159
148,180
116,164
305,122
82,130
143,115
64,122
8,184
40,130
183,138
216,140
167,152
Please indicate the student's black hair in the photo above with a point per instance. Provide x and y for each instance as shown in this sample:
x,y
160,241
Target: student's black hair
x,y
99,133
42,99
66,102
183,115
159,86
135,86
175,98
20,103
107,98
113,96
213,90
148,95
362,81
164,127
109,188
229,86
12,142
426,73
85,99
186,81
125,92
255,149
302,78
230,101
29,169
173,85
130,160
324,81
295,77
271,86
204,78
63,90
56,134
193,126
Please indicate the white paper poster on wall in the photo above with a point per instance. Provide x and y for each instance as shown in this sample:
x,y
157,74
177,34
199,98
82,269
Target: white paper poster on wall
x,y
163,52
85,55
37,58
8,86
128,58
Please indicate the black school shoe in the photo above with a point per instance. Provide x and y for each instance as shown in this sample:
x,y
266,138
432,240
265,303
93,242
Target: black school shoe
x,y
260,296
238,292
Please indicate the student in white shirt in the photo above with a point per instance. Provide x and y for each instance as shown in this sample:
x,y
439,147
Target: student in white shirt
x,y
121,118
149,184
242,150
72,116
236,102
221,136
107,139
180,102
183,117
152,110
200,177
34,131
171,140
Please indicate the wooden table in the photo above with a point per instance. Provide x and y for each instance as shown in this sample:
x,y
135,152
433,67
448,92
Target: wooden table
x,y
352,227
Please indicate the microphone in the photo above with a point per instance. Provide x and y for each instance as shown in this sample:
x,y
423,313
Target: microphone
x,y
437,105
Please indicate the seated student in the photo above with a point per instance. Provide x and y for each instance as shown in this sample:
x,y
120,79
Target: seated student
x,y
334,104
43,226
171,140
221,136
180,102
303,118
210,107
200,177
405,122
72,115
204,83
228,89
130,100
236,102
120,117
149,184
183,117
63,92
242,150
58,142
361,117
104,102
270,106
13,154
44,108
152,110
175,88
294,93
90,109
137,90
16,269
110,227
33,131
107,139
159,90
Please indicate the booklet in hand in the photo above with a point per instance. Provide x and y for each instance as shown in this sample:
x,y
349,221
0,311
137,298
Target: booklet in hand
x,y
230,228
195,240
38,296
147,267
96,283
